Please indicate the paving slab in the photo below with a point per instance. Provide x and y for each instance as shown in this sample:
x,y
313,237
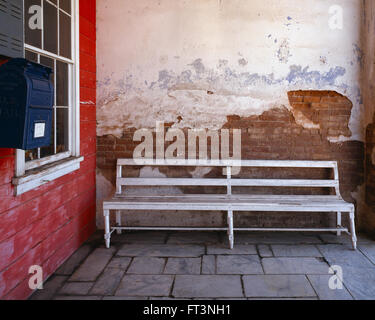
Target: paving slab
x,y
320,284
49,288
282,299
360,282
302,250
76,288
206,286
238,249
124,298
369,251
77,298
265,250
140,237
183,266
168,298
277,286
343,255
146,265
239,264
208,265
74,261
163,250
145,285
330,238
294,266
120,262
276,238
193,237
93,266
108,282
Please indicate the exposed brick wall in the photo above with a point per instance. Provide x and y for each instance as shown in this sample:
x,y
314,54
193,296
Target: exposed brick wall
x,y
329,109
370,176
46,225
275,134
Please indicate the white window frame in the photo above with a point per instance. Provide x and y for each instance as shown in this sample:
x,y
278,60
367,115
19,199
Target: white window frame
x,y
30,175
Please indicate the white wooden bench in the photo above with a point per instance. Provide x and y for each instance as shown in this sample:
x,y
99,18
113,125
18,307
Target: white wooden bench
x,y
230,203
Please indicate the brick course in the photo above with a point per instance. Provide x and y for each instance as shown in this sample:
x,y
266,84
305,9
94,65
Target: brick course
x,y
276,135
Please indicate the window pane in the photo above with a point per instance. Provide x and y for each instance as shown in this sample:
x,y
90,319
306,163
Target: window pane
x,y
65,36
50,27
33,23
50,150
31,56
48,62
62,129
31,155
62,84
66,5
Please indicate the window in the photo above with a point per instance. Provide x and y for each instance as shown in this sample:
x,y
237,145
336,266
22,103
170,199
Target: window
x,y
51,39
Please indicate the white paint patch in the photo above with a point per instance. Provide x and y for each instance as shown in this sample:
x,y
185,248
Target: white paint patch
x,y
177,51
104,190
303,121
200,172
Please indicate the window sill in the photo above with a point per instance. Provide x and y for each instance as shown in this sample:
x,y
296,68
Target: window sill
x,y
45,174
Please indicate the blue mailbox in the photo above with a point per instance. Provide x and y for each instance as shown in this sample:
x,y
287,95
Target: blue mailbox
x,y
26,105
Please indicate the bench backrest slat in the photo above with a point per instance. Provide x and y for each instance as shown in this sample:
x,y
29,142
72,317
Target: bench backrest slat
x,y
228,182
228,163
224,182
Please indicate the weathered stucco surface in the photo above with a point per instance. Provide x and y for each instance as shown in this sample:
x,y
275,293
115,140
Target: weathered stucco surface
x,y
158,59
194,63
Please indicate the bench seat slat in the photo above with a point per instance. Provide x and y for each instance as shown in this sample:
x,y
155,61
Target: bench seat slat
x,y
224,182
276,207
204,203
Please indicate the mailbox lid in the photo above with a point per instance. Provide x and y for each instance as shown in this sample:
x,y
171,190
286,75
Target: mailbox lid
x,y
31,91
39,87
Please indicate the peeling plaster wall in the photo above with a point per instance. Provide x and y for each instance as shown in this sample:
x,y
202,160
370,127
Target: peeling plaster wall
x,y
160,57
194,63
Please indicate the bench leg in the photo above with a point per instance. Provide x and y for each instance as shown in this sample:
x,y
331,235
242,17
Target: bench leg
x,y
230,229
107,234
338,223
118,221
352,230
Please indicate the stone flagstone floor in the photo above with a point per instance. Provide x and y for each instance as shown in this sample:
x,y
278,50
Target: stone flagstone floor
x,y
194,265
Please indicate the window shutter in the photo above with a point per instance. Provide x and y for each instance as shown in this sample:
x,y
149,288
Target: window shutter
x,y
11,28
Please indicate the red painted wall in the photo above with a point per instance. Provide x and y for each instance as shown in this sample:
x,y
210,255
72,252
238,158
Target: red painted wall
x,y
46,225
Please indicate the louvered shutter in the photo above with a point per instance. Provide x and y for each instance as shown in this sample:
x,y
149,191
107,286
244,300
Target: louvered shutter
x,y
11,28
